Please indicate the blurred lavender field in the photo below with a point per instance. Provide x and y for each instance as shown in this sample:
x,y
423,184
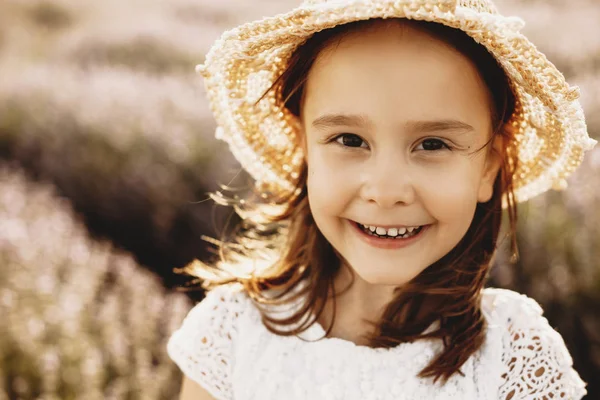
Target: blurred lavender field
x,y
106,156
80,319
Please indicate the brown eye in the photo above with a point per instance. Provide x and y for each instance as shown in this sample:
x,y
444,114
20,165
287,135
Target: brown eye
x,y
434,144
350,140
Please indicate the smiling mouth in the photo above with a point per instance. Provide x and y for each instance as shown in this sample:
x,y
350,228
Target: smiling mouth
x,y
401,233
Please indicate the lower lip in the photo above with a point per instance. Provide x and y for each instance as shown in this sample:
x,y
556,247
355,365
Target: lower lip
x,y
388,243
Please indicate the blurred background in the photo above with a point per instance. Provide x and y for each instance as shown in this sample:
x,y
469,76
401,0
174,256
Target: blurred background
x,y
106,157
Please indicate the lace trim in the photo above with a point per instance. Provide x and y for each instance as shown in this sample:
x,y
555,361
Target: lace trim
x,y
536,362
203,346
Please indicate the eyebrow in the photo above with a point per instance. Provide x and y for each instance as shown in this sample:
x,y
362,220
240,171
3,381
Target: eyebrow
x,y
362,121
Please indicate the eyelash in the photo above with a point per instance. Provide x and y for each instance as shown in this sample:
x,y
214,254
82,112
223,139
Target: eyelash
x,y
445,146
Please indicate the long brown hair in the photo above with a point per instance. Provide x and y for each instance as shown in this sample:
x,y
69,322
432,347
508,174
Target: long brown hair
x,y
278,245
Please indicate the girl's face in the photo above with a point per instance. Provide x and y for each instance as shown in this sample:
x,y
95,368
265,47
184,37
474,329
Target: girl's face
x,y
391,119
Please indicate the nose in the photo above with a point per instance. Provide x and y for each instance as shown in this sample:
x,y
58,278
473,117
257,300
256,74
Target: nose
x,y
388,182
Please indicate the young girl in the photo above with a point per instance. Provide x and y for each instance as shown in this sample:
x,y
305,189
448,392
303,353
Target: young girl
x,y
385,138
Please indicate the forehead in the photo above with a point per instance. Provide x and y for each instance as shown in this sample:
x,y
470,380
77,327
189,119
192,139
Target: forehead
x,y
395,71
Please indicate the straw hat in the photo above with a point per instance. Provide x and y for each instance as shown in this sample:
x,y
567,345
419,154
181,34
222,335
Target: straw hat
x,y
549,126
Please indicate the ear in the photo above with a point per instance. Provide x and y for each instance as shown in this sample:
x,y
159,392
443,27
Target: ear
x,y
492,166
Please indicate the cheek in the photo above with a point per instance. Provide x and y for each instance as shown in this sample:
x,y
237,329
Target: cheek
x,y
327,171
321,194
331,184
451,195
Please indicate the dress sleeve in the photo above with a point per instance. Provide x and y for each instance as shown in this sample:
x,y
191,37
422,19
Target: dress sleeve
x,y
536,362
202,347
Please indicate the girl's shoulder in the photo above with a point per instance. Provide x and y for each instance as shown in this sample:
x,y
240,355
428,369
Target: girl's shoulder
x,y
220,308
203,345
503,305
534,357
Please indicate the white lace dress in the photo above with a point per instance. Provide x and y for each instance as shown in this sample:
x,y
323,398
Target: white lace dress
x,y
223,346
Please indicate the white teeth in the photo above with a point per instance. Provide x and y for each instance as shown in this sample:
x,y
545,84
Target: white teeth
x,y
397,233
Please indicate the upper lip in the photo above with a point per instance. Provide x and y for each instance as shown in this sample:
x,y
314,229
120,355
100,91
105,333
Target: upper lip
x,y
390,226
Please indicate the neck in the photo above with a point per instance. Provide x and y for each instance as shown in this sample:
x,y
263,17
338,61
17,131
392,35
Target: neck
x,y
356,303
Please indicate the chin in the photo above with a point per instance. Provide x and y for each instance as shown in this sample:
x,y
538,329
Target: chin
x,y
384,278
